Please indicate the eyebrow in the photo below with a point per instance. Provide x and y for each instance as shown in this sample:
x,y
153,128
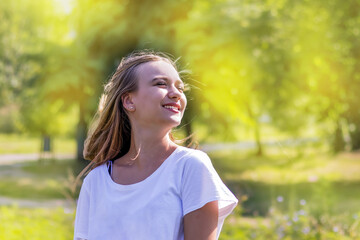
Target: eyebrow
x,y
167,79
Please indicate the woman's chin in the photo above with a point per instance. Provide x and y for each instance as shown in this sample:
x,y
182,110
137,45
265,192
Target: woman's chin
x,y
173,122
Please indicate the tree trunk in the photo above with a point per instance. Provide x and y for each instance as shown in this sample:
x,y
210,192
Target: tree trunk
x,y
338,141
257,139
46,147
81,133
355,138
46,143
256,131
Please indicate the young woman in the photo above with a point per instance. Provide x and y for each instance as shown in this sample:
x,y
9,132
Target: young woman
x,y
142,185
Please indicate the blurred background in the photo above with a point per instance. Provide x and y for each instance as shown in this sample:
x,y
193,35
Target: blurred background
x,y
274,101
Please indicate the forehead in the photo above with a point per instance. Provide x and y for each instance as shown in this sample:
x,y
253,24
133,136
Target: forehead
x,y
149,70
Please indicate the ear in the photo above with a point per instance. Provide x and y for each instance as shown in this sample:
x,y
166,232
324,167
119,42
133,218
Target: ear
x,y
127,102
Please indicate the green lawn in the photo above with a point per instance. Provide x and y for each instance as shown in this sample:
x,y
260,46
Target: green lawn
x,y
14,143
40,180
35,224
287,194
326,183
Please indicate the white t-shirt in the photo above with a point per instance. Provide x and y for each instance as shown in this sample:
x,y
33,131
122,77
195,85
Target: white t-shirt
x,y
152,209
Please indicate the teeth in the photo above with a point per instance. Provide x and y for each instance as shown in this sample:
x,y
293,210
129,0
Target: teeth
x,y
171,107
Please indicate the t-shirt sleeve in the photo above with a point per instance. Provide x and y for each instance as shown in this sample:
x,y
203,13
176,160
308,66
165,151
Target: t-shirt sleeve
x,y
82,213
201,184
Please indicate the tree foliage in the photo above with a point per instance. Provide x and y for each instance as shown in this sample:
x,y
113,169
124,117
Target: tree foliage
x,y
287,64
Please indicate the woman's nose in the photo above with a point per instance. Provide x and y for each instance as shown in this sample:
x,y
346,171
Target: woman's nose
x,y
174,93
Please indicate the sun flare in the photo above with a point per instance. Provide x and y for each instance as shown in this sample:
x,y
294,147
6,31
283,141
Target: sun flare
x,y
63,6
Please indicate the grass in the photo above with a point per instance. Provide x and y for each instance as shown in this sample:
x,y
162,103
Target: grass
x,y
282,196
324,181
29,188
279,169
40,180
33,224
297,226
14,143
328,183
53,168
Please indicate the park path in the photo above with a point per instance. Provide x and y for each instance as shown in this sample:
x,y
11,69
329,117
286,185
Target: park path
x,y
27,203
11,159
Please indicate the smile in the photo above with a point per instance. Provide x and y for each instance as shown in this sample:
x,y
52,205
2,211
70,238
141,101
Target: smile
x,y
172,107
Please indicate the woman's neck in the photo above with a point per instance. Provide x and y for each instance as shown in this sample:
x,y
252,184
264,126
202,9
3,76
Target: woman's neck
x,y
148,146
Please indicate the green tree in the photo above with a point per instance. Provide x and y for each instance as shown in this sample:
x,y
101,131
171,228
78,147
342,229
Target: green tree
x,y
20,48
103,33
28,31
239,52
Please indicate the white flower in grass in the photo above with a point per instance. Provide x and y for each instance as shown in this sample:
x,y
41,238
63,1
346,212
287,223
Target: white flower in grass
x,y
302,212
313,178
280,199
306,230
302,202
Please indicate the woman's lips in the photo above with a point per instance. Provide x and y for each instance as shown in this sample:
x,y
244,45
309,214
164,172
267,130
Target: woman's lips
x,y
173,107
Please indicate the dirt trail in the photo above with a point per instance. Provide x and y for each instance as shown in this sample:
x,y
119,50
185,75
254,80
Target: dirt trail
x,y
10,159
27,203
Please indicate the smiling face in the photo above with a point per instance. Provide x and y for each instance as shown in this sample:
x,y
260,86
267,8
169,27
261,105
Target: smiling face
x,y
159,99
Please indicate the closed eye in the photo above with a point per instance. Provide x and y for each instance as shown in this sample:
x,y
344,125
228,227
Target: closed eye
x,y
160,84
164,82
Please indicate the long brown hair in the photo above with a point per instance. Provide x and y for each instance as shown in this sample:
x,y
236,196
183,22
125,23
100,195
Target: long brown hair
x,y
109,136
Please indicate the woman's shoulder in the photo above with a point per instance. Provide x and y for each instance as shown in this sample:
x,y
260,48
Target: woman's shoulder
x,y
95,173
194,156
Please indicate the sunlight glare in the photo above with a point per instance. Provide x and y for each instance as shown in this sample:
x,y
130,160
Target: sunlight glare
x,y
64,6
